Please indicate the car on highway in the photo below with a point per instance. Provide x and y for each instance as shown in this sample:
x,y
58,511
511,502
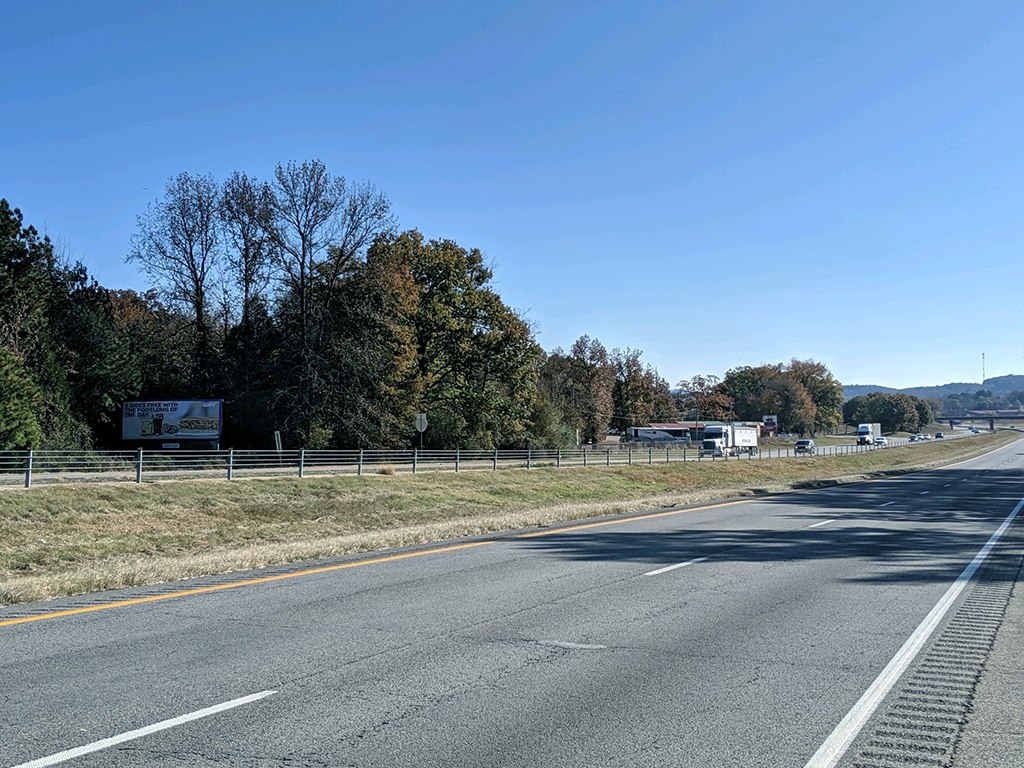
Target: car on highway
x,y
804,447
882,442
939,435
916,438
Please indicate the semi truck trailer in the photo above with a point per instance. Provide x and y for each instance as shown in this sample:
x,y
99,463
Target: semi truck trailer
x,y
728,440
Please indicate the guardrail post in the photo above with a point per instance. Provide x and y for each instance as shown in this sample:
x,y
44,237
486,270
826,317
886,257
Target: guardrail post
x,y
667,458
138,466
607,458
231,462
415,455
629,456
558,459
456,459
302,461
494,461
650,455
529,456
28,469
360,470
584,458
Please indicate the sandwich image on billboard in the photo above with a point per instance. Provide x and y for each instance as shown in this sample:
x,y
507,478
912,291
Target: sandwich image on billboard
x,y
178,419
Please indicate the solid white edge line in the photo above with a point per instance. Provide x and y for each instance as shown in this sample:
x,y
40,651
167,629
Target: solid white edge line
x,y
677,565
887,504
839,740
823,522
163,725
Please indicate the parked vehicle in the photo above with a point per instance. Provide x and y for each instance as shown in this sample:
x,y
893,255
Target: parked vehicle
x,y
728,440
651,436
866,433
804,447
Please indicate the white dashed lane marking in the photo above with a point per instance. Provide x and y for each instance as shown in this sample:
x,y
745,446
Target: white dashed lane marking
x,y
668,568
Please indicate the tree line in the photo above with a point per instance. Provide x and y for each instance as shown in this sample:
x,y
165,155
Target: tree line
x,y
896,412
300,303
958,404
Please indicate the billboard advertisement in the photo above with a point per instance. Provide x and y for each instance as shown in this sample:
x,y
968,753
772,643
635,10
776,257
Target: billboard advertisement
x,y
770,424
171,420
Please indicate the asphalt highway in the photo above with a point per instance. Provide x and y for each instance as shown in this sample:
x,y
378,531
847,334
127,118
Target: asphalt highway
x,y
740,633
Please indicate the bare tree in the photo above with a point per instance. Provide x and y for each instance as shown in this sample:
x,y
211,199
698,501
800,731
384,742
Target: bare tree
x,y
247,212
322,226
247,215
178,246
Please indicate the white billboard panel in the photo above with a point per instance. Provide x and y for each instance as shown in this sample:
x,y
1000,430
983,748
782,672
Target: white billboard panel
x,y
172,420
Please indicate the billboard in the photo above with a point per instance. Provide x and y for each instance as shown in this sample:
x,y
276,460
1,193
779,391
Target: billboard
x,y
171,420
770,424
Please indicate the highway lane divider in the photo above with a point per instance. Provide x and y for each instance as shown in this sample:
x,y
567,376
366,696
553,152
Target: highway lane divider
x,y
138,733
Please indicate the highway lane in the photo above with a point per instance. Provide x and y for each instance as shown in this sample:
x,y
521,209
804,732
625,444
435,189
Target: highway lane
x,y
554,649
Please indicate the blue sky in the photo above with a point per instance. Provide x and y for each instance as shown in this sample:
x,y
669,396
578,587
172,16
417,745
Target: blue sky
x,y
717,184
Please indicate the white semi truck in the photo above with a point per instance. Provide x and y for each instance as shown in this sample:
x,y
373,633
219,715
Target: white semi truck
x,y
728,440
868,433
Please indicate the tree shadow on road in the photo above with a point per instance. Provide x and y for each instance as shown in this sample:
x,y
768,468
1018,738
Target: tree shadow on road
x,y
952,513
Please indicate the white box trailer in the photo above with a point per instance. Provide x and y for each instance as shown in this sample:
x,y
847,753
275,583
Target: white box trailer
x,y
728,440
868,433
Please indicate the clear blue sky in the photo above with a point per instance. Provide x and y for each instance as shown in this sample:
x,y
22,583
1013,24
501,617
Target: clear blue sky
x,y
837,181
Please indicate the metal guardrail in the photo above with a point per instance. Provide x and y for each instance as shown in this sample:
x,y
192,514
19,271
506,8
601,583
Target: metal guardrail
x,y
50,467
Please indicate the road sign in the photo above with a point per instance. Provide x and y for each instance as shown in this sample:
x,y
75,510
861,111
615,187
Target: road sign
x,y
421,421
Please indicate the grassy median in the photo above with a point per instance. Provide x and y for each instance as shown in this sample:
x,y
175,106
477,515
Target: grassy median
x,y
66,540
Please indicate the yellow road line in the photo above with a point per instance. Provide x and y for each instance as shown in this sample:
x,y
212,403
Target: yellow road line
x,y
246,583
325,569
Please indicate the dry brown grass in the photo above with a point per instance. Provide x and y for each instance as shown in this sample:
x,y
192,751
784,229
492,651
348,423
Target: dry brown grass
x,y
62,540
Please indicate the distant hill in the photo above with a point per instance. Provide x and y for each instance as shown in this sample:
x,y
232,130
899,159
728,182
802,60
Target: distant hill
x,y
999,385
856,390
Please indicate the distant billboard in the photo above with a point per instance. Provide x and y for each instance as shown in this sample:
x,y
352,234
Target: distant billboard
x,y
172,420
770,424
